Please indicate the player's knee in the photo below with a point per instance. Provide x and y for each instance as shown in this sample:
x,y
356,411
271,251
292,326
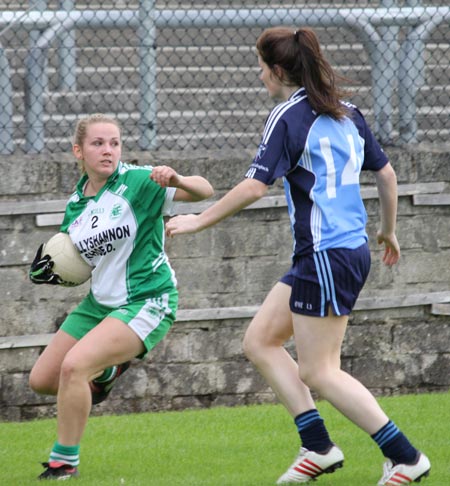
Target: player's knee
x,y
255,345
42,384
248,347
310,376
71,368
252,345
35,383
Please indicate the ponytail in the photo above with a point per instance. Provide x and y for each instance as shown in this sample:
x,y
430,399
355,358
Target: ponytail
x,y
299,55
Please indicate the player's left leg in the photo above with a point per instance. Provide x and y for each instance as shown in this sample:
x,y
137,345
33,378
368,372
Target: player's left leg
x,y
102,385
318,341
150,319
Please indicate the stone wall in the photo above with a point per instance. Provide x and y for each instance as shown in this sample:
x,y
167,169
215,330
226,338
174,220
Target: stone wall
x,y
397,340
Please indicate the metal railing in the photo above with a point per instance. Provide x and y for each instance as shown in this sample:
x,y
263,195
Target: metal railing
x,y
393,61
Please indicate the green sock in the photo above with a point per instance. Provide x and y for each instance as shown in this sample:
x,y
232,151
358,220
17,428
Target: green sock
x,y
107,375
66,454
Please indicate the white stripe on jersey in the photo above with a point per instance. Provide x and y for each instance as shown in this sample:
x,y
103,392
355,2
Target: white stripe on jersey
x,y
316,213
162,258
250,173
122,189
316,225
277,113
292,209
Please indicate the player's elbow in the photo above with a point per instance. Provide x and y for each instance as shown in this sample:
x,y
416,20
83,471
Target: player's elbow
x,y
205,192
386,175
209,191
205,188
257,189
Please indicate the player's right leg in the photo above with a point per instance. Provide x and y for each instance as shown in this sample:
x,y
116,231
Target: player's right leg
x,y
80,322
264,346
109,342
44,377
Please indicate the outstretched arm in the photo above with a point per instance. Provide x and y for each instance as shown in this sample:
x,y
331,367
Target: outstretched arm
x,y
189,188
241,196
387,192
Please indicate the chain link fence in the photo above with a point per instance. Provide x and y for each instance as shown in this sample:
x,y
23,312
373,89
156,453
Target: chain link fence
x,y
184,74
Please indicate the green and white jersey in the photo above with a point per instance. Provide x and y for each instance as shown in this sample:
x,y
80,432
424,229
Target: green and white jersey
x,y
120,232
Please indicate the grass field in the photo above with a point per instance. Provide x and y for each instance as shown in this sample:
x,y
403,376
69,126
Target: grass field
x,y
241,446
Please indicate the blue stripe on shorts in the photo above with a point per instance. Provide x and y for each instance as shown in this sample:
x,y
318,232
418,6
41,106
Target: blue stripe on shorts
x,y
327,278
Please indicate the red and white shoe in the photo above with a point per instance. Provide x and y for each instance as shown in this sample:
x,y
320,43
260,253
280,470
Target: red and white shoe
x,y
58,470
308,465
401,474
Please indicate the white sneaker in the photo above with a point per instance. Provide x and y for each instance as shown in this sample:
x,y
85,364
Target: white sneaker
x,y
401,474
308,465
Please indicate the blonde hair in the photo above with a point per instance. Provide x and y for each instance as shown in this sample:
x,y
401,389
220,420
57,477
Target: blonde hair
x,y
82,128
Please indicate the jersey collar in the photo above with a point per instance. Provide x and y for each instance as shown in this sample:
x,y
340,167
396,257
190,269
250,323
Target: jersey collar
x,y
111,178
297,94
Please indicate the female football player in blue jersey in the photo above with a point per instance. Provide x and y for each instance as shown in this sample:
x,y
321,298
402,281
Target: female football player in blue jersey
x,y
318,145
115,219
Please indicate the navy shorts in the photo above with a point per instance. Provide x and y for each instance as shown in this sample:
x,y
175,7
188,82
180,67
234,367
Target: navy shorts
x,y
327,278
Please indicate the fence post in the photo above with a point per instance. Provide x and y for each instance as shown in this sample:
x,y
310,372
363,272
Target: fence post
x,y
6,106
410,79
36,80
66,53
385,71
147,69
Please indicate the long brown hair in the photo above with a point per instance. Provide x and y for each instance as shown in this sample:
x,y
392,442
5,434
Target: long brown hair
x,y
299,55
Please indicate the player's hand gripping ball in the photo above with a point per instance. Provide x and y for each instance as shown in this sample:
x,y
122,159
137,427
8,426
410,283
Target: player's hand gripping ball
x,y
41,269
58,262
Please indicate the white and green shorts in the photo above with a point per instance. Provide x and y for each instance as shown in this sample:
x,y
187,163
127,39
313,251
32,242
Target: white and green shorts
x,y
150,319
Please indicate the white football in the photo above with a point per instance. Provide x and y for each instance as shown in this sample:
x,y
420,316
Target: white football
x,y
68,263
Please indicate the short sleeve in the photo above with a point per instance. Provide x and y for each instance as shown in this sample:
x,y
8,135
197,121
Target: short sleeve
x,y
374,156
272,159
168,208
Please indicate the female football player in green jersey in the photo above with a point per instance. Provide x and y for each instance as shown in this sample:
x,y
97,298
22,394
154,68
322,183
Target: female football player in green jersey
x,y
115,219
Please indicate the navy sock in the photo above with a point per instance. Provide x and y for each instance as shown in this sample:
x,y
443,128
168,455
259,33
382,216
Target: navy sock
x,y
312,430
395,445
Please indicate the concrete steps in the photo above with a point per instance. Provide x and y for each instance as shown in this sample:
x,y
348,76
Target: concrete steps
x,y
178,130
214,98
207,80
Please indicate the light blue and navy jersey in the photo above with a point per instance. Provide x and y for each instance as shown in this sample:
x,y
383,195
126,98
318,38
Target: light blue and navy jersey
x,y
320,160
